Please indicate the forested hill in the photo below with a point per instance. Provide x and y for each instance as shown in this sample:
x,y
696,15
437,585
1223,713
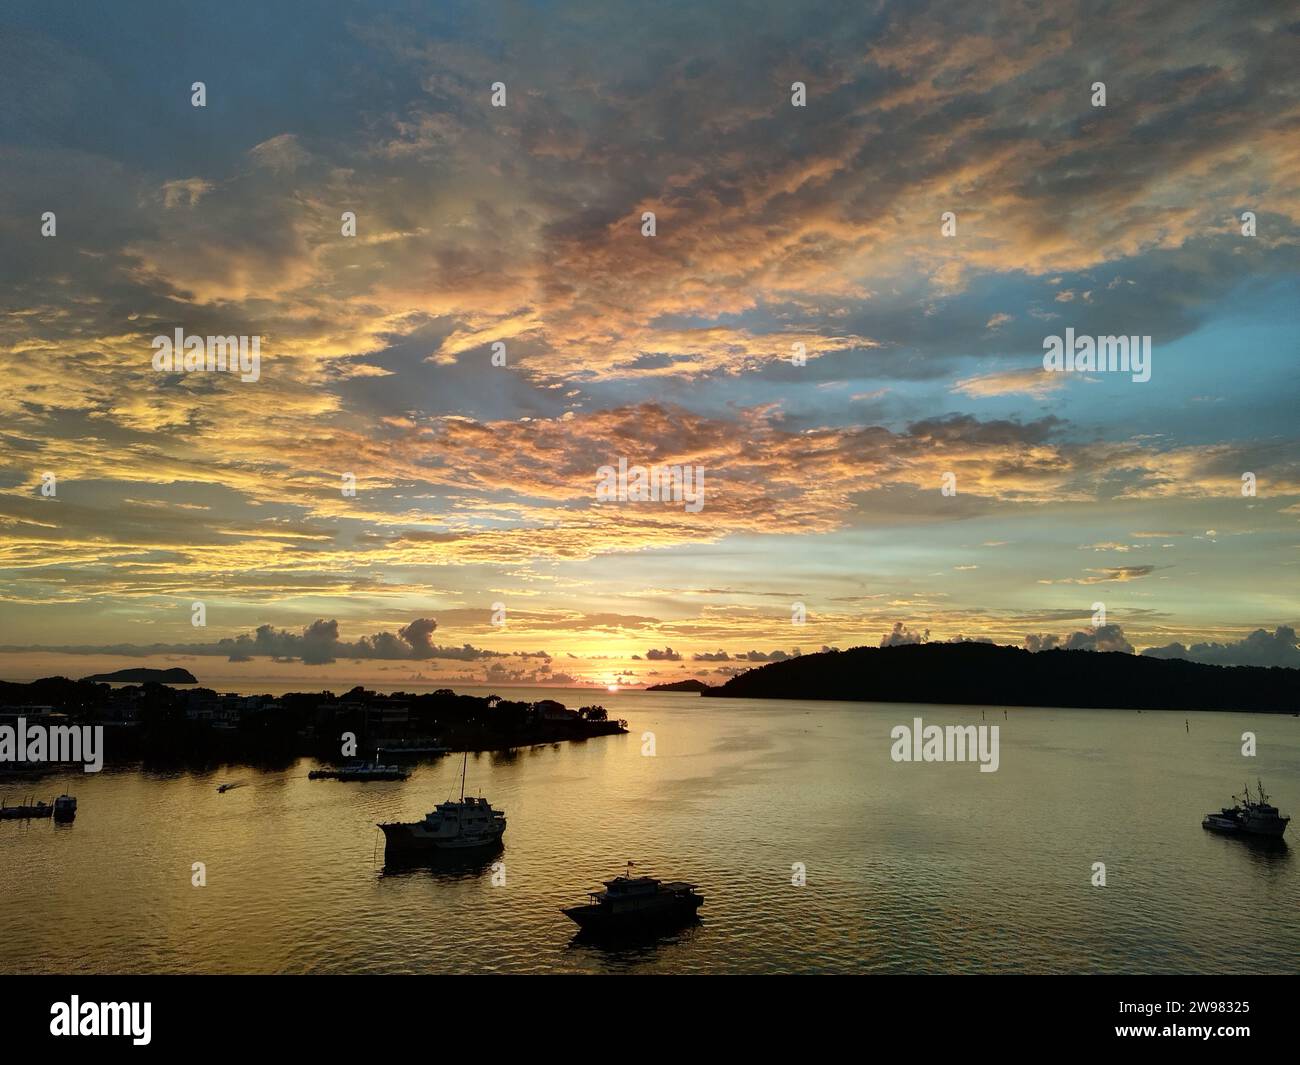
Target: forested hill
x,y
987,674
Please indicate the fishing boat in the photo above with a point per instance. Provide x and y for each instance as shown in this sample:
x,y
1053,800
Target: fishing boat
x,y
1249,817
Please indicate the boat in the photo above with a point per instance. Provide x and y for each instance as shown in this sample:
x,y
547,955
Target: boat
x,y
1249,817
636,903
65,808
467,824
361,771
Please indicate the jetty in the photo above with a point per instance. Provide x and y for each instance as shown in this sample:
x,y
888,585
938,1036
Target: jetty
x,y
64,808
27,810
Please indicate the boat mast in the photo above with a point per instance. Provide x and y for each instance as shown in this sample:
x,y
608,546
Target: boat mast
x,y
463,765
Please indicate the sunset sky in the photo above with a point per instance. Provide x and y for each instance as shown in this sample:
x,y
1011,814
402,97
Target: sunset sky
x,y
775,225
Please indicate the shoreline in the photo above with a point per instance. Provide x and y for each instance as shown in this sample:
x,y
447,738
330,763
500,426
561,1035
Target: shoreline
x,y
161,725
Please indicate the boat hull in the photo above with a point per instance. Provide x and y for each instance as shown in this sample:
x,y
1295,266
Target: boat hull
x,y
1270,831
402,838
601,921
354,777
1226,827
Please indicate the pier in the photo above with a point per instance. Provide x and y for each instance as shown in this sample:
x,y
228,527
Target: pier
x,y
26,810
64,808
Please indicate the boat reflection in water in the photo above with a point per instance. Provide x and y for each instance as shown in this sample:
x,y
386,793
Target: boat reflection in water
x,y
442,864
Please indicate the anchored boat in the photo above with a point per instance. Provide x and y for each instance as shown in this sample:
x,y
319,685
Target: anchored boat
x,y
1250,817
65,808
468,824
636,903
361,771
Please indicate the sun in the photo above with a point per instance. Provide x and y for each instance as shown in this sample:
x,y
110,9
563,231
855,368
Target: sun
x,y
611,687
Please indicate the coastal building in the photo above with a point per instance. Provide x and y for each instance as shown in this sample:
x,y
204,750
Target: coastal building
x,y
387,719
550,710
30,713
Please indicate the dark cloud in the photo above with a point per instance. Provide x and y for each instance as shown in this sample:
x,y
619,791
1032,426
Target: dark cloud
x,y
1258,649
967,429
666,655
1101,638
1042,641
901,635
317,644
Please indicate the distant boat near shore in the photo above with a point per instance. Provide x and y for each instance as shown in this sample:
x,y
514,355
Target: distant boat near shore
x,y
362,771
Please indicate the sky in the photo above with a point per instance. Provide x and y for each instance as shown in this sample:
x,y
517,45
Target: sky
x,y
945,192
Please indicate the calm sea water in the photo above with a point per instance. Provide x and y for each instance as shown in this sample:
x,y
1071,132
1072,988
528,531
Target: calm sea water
x,y
910,868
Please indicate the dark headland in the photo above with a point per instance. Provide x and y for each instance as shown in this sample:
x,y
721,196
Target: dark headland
x,y
990,675
144,676
680,686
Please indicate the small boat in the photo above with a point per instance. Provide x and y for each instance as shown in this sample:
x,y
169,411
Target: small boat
x,y
65,808
361,771
1250,817
469,824
636,903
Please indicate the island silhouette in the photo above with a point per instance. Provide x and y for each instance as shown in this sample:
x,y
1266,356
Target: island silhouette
x,y
691,685
142,675
992,675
